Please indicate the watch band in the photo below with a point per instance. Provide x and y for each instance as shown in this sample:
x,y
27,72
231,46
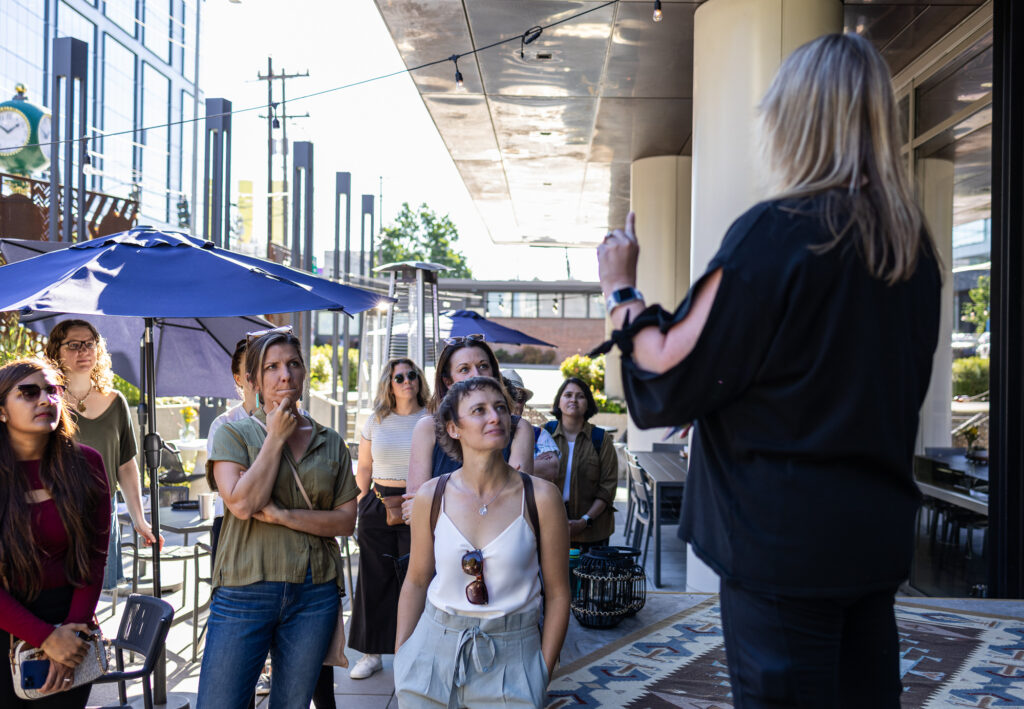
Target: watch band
x,y
621,297
588,519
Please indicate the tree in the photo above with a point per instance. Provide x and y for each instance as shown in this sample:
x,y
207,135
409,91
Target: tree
x,y
976,312
424,236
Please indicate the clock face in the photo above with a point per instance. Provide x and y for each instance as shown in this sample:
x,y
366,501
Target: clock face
x,y
45,136
14,130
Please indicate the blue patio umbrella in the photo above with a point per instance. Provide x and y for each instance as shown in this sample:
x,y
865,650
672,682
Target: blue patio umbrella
x,y
466,322
153,274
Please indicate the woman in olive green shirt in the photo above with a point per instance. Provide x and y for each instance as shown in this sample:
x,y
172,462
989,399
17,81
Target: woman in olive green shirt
x,y
276,578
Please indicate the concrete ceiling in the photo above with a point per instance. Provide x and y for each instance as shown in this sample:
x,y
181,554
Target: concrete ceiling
x,y
544,141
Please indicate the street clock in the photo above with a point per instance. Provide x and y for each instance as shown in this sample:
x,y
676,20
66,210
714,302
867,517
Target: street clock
x,y
23,126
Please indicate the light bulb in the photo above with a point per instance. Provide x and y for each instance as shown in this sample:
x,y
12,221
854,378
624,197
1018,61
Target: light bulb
x,y
658,14
460,85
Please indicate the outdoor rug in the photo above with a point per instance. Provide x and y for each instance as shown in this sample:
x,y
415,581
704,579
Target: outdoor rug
x,y
949,659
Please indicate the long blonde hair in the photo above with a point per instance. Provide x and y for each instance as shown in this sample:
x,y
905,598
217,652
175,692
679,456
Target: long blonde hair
x,y
828,122
102,374
384,403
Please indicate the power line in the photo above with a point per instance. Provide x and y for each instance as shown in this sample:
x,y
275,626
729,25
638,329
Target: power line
x,y
524,36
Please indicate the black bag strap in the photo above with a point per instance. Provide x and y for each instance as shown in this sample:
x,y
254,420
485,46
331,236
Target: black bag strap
x,y
435,505
531,509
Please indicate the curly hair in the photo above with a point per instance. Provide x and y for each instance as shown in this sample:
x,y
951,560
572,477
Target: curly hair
x,y
64,471
102,374
385,403
448,411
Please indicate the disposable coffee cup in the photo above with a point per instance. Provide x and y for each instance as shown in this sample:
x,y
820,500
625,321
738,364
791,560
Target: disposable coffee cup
x,y
206,504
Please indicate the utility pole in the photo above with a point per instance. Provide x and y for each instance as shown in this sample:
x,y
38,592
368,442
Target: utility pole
x,y
277,117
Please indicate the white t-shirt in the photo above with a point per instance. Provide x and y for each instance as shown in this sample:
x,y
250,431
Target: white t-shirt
x,y
567,489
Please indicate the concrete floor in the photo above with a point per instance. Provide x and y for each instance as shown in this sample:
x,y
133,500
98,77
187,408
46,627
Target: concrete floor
x,y
377,692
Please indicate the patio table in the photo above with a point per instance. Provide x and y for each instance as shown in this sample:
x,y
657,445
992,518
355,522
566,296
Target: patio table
x,y
667,470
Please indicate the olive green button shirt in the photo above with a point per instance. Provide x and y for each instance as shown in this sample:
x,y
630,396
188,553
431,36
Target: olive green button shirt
x,y
595,476
250,551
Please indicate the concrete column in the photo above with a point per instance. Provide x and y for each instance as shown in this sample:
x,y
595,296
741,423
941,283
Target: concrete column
x,y
660,190
738,46
935,192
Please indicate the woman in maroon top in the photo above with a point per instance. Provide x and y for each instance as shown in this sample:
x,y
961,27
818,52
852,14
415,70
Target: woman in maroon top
x,y
53,530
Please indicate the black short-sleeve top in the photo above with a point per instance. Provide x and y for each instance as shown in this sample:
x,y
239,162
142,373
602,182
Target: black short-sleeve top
x,y
805,386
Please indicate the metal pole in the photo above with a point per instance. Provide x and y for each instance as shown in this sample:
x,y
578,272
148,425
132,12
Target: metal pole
x,y
55,231
83,127
342,185
284,153
270,155
195,131
345,366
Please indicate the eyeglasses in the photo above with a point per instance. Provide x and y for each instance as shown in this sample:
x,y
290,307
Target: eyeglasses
x,y
411,376
76,345
473,564
464,339
31,392
283,330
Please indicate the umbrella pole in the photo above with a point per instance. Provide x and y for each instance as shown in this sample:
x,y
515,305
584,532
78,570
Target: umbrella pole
x,y
152,445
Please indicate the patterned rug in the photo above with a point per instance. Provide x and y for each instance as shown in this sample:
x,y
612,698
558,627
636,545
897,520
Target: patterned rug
x,y
948,659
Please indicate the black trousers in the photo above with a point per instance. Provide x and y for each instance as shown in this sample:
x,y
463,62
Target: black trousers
x,y
818,653
52,606
375,605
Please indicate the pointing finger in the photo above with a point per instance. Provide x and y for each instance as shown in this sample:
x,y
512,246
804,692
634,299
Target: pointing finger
x,y
631,226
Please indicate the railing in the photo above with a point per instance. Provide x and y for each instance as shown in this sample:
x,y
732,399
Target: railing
x,y
25,210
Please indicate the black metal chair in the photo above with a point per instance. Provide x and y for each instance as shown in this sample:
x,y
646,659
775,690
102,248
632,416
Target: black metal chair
x,y
643,514
144,625
172,472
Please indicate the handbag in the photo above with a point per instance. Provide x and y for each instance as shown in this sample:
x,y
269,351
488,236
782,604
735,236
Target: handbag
x,y
336,649
392,506
95,664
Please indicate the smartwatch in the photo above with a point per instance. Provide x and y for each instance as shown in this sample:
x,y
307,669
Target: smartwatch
x,y
621,297
588,520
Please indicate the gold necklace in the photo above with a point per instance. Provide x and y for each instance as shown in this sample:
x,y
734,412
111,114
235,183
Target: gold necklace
x,y
79,402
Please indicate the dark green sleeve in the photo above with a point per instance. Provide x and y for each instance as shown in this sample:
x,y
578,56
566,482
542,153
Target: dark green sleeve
x,y
129,447
609,462
228,445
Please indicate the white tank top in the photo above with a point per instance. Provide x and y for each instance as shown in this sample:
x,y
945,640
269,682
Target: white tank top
x,y
511,572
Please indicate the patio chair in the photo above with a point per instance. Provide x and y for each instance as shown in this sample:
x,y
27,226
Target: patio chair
x,y
172,471
630,500
143,630
643,515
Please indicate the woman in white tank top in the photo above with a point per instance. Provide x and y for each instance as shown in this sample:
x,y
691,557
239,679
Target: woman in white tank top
x,y
468,613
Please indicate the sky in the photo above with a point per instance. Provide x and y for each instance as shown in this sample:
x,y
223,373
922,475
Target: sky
x,y
380,129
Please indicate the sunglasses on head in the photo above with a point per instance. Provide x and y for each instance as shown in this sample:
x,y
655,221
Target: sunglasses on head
x,y
76,345
464,339
32,392
283,330
411,376
473,564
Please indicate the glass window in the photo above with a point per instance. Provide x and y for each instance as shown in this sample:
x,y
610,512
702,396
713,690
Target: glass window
x,y
597,305
72,24
122,12
189,39
116,151
575,305
156,95
524,305
959,84
157,28
185,140
549,305
499,305
22,48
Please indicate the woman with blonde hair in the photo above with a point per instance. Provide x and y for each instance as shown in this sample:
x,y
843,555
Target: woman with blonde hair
x,y
803,355
402,396
103,422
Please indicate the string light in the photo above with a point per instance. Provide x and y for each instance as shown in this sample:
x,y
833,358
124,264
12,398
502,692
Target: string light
x,y
460,85
658,15
529,36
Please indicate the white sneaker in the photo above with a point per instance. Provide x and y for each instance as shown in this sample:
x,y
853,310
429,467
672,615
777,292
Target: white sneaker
x,y
366,666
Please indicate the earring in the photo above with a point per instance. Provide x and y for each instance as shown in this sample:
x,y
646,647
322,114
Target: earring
x,y
455,436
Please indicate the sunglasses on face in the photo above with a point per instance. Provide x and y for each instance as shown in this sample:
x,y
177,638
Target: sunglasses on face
x,y
473,564
411,376
464,339
31,392
76,345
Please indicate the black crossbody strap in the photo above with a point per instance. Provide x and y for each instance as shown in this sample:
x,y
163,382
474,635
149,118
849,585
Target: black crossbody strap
x,y
435,505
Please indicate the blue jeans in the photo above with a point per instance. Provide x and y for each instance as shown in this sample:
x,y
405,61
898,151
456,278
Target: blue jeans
x,y
293,621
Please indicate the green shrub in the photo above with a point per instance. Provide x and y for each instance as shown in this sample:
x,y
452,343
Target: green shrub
x,y
528,355
16,341
130,391
320,369
970,376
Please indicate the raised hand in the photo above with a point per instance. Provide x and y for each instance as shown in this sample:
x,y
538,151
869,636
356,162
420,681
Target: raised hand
x,y
617,257
282,419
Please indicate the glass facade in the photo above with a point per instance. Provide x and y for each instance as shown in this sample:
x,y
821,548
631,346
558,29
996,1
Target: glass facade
x,y
504,304
140,76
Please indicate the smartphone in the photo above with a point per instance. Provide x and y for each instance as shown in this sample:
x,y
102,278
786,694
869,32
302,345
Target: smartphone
x,y
34,673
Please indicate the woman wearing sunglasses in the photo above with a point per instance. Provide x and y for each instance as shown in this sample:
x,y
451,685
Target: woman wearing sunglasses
x,y
482,539
402,395
54,521
288,491
103,422
461,359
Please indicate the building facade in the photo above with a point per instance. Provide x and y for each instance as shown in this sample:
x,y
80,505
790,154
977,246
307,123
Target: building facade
x,y
141,78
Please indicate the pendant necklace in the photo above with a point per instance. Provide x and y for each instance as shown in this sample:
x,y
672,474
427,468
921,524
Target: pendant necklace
x,y
483,508
79,402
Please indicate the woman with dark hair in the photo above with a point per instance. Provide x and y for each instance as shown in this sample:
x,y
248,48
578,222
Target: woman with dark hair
x,y
288,492
803,355
483,538
461,359
402,396
54,521
588,470
103,422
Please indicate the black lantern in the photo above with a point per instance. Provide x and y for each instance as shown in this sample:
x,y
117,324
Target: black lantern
x,y
612,586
